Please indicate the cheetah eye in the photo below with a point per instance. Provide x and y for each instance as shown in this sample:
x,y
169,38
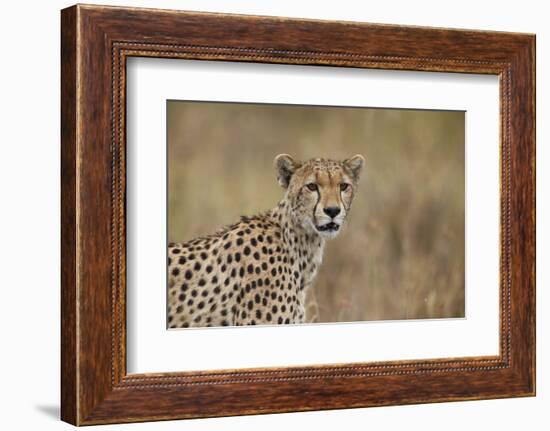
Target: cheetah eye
x,y
312,187
344,187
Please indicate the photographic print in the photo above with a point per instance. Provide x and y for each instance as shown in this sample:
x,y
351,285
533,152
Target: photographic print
x,y
238,209
290,214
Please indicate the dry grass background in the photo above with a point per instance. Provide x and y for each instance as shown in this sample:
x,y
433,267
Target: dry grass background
x,y
401,254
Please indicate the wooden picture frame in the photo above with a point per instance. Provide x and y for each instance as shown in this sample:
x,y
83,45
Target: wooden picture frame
x,y
95,43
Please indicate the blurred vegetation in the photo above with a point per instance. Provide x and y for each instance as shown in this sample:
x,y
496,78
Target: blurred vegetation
x,y
401,253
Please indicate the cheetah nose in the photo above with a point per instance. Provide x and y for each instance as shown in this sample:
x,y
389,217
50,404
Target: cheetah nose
x,y
332,211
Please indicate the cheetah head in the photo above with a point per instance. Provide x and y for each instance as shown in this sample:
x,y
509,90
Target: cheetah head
x,y
319,192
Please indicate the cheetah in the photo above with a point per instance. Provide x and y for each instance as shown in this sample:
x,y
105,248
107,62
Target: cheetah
x,y
257,271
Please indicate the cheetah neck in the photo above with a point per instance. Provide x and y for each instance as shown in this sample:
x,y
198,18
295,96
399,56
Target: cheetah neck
x,y
304,245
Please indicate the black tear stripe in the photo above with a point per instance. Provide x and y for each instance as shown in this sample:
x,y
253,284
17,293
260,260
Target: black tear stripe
x,y
316,203
318,198
344,202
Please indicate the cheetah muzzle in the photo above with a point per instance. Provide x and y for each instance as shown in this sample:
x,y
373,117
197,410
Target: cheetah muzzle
x,y
257,271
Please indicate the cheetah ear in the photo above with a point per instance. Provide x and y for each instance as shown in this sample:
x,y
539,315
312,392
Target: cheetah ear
x,y
285,167
355,165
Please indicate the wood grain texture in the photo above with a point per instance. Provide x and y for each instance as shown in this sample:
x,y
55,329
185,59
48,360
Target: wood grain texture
x,y
68,217
96,41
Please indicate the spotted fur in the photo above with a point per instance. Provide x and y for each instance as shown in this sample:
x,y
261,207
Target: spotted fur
x,y
257,271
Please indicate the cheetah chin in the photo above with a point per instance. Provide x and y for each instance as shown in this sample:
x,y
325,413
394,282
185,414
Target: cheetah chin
x,y
329,227
329,230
